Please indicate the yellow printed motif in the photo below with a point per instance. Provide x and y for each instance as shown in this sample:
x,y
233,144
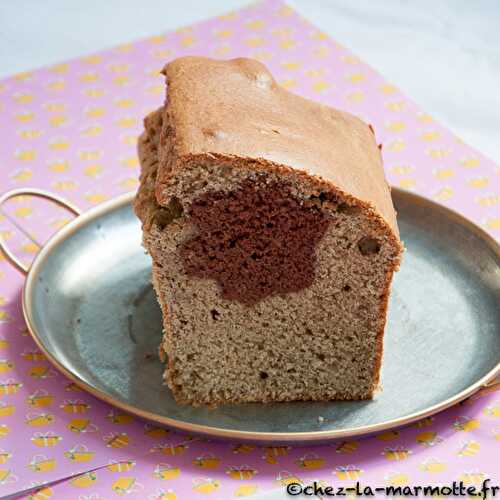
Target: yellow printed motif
x,y
40,463
207,461
397,453
22,175
43,493
41,371
120,418
492,410
311,461
166,471
397,479
162,494
32,355
469,449
472,477
205,485
6,410
6,477
273,452
4,430
79,453
243,448
285,478
121,466
345,472
84,480
4,456
126,485
6,365
171,449
432,465
45,439
116,440
75,406
9,387
245,490
82,425
428,438
39,419
466,424
347,447
388,435
241,472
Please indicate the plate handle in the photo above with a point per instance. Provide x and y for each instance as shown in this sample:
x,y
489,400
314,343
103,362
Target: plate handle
x,y
492,385
37,193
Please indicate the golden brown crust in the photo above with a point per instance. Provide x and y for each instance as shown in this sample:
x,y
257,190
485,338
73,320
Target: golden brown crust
x,y
145,201
235,110
379,346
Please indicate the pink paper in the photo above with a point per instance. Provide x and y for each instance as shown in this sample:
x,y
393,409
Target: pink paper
x,y
72,129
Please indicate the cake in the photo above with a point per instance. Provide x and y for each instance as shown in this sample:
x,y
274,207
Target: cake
x,y
273,239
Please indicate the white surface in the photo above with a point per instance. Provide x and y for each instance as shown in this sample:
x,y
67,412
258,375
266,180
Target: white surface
x,y
444,54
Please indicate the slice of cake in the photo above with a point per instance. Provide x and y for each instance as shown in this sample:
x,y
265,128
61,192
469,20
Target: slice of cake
x,y
273,238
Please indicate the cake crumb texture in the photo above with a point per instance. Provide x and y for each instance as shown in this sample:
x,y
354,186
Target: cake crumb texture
x,y
273,238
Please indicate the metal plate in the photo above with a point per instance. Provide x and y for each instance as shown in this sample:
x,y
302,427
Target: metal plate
x,y
90,307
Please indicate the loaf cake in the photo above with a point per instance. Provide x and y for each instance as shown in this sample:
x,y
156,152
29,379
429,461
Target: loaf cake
x,y
273,239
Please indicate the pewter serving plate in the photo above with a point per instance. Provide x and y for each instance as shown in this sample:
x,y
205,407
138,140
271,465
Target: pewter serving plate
x,y
90,307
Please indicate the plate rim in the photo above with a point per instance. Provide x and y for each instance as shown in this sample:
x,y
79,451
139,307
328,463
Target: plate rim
x,y
218,432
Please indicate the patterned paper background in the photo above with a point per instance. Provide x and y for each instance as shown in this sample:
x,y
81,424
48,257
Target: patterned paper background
x,y
72,129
